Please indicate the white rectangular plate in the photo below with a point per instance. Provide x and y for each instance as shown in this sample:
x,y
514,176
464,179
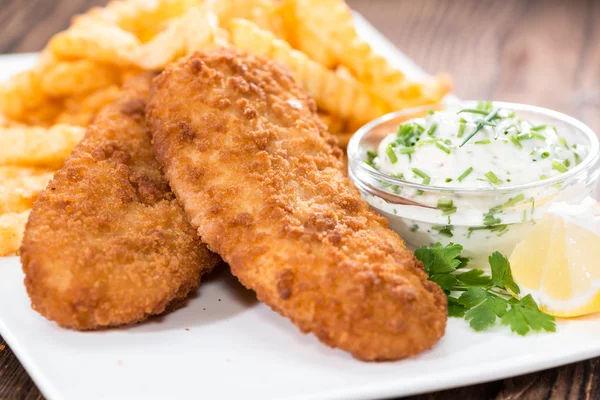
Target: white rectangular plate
x,y
225,344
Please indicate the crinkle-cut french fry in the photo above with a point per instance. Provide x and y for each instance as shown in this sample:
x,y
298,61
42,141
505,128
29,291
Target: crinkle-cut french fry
x,y
197,29
22,98
267,14
335,93
80,110
75,77
143,18
20,187
12,226
19,93
334,124
94,40
37,146
327,26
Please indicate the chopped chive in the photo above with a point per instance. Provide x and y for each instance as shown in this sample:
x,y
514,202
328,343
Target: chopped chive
x,y
538,136
486,123
484,105
445,203
442,147
414,228
577,157
489,117
543,177
514,200
516,142
432,129
444,230
492,177
406,150
557,165
430,112
532,200
421,174
486,141
407,134
491,220
503,232
426,142
419,192
449,211
545,154
371,154
405,129
463,126
494,228
391,154
527,136
473,111
567,162
465,174
563,142
499,228
448,180
538,128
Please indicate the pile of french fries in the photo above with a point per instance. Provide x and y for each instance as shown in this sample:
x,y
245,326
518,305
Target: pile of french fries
x,y
44,110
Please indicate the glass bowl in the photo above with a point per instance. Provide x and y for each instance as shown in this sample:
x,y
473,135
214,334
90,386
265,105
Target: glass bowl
x,y
412,209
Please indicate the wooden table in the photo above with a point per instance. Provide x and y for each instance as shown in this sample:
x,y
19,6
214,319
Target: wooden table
x,y
543,52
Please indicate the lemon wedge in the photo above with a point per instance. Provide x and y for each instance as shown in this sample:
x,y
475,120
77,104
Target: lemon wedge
x,y
558,261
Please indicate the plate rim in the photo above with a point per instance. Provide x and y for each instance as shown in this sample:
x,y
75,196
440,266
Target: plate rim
x,y
451,379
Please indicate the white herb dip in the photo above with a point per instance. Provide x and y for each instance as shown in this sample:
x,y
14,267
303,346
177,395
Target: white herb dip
x,y
481,148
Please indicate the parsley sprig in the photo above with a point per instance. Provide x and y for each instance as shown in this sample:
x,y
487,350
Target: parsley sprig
x,y
483,300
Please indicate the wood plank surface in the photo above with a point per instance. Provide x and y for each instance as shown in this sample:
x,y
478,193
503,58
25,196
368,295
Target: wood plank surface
x,y
543,52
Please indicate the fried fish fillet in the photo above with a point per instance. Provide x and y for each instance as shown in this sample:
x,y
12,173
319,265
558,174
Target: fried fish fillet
x,y
245,153
107,243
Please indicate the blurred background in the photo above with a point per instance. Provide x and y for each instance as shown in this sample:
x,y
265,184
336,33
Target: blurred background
x,y
543,52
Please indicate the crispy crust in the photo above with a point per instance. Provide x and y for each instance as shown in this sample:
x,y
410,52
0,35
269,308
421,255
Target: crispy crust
x,y
255,169
107,243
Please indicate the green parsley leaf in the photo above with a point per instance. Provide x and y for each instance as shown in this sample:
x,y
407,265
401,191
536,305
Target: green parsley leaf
x,y
501,274
455,309
525,316
474,277
484,300
473,297
446,281
437,259
484,308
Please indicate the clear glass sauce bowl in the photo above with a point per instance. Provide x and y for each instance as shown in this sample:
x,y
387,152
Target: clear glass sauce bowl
x,y
411,207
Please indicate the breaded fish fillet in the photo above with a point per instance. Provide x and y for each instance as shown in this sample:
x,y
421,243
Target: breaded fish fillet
x,y
244,151
107,243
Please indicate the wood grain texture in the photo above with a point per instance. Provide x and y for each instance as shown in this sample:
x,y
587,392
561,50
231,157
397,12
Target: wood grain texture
x,y
543,52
